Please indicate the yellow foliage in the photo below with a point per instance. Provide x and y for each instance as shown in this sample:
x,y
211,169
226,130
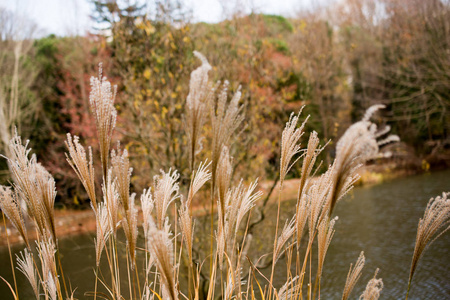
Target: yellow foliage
x,y
302,26
149,29
425,165
164,112
147,73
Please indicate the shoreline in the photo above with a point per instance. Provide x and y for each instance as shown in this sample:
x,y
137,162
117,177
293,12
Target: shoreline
x,y
74,222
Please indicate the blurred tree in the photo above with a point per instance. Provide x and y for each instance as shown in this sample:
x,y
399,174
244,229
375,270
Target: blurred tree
x,y
320,59
18,102
66,65
152,55
398,51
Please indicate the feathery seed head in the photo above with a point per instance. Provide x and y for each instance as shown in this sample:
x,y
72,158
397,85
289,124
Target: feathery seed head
x,y
166,191
371,110
122,172
238,202
9,205
373,288
34,185
161,249
199,85
286,234
223,175
46,251
200,96
358,145
84,169
288,290
18,153
225,120
353,276
247,202
25,265
147,294
51,288
317,196
111,199
187,229
435,222
308,161
101,100
104,230
232,285
324,235
46,186
290,144
200,177
302,212
147,204
131,229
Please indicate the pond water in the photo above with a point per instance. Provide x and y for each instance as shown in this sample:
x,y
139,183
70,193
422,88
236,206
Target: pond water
x,y
381,220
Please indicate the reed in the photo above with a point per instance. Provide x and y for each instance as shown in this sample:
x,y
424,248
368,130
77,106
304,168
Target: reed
x,y
26,266
353,276
435,222
170,244
373,288
83,168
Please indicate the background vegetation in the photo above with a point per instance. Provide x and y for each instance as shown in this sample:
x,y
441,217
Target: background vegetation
x,y
338,61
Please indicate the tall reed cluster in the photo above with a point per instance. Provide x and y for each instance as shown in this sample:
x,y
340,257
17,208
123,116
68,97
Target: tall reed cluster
x,y
169,248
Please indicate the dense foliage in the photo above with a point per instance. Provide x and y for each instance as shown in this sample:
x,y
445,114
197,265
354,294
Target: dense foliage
x,y
337,62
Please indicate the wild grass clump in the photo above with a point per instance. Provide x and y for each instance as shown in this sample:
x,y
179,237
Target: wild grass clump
x,y
169,246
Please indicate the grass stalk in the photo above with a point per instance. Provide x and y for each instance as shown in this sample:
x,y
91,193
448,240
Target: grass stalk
x,y
211,252
130,286
316,284
96,282
275,239
137,279
62,272
407,291
10,256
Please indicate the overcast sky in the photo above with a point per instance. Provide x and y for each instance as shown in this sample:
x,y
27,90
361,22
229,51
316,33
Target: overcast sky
x,y
64,17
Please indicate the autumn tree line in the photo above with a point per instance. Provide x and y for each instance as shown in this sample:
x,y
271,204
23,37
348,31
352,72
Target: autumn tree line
x,y
337,60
